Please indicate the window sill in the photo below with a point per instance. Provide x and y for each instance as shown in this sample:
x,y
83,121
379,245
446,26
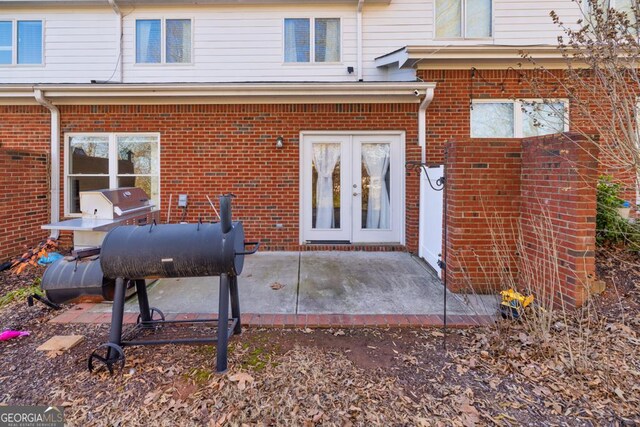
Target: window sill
x,y
311,64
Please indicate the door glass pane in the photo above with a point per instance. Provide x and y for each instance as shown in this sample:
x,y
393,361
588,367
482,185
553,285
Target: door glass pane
x,y
492,120
478,18
138,155
376,177
325,186
89,155
448,18
542,119
84,183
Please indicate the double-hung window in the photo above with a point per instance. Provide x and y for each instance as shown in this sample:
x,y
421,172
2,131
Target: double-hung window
x,y
163,41
95,161
469,19
517,119
312,40
21,42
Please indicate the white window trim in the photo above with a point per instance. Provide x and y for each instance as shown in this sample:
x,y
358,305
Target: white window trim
x,y
113,163
312,41
463,12
518,114
14,43
163,42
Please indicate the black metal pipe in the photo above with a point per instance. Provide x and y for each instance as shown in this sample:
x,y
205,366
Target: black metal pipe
x,y
143,300
117,315
225,213
223,325
235,305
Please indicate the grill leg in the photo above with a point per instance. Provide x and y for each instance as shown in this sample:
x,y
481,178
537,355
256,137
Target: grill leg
x,y
143,300
223,325
117,313
235,304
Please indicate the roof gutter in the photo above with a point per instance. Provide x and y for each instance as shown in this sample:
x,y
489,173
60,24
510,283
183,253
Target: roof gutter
x,y
55,158
359,39
116,9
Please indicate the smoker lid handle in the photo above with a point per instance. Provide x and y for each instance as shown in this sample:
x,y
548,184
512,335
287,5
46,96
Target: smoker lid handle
x,y
251,252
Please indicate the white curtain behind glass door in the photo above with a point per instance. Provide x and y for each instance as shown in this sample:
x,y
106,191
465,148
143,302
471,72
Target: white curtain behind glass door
x,y
376,161
325,157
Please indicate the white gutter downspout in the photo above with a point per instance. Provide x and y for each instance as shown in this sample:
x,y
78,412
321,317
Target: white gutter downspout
x,y
55,158
422,122
359,38
116,9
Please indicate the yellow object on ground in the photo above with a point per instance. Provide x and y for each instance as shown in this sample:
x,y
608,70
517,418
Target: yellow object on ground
x,y
513,303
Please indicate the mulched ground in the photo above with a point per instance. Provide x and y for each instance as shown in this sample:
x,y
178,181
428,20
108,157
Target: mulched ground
x,y
584,370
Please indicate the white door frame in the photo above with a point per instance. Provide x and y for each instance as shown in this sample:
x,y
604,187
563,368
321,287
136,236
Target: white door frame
x,y
401,175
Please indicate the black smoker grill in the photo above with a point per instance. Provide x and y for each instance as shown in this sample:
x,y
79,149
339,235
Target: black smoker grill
x,y
131,254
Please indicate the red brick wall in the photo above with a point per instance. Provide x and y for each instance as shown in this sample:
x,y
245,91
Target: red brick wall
x,y
483,206
558,194
449,115
24,166
522,213
215,149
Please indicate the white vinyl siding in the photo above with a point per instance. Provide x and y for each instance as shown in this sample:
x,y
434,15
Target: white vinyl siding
x,y
241,42
79,45
524,118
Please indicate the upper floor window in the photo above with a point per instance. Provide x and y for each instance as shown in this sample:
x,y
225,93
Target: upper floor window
x,y
463,18
301,34
517,119
20,42
163,41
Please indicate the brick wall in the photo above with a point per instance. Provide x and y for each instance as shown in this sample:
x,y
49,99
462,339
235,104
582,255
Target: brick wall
x,y
483,206
522,213
24,172
558,197
449,115
215,149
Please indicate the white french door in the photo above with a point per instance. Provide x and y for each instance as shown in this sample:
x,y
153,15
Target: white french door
x,y
352,187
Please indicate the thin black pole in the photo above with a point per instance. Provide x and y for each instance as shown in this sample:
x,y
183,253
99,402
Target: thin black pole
x,y
223,325
117,314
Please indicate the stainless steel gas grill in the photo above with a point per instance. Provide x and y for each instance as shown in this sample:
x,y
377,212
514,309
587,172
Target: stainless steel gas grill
x,y
102,210
134,253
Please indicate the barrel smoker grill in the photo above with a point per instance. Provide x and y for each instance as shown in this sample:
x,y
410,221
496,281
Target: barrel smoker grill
x,y
135,253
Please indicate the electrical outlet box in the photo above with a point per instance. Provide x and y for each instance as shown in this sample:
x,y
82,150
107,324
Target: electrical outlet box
x,y
182,201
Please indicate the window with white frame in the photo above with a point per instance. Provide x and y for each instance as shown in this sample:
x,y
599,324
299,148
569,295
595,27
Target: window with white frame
x,y
517,119
301,34
469,19
110,160
163,41
21,42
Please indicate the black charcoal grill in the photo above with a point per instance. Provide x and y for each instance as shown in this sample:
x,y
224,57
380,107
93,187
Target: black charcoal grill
x,y
131,254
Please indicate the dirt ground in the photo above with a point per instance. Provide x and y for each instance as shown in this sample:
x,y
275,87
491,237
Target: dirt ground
x,y
583,370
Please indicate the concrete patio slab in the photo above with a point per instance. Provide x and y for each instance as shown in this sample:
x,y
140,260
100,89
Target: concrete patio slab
x,y
320,283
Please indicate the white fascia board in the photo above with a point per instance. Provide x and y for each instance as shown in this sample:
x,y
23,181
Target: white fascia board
x,y
246,93
479,56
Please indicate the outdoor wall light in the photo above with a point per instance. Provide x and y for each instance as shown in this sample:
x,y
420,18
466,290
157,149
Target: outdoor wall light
x,y
279,142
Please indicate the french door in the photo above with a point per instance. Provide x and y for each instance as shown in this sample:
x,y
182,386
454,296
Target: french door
x,y
351,189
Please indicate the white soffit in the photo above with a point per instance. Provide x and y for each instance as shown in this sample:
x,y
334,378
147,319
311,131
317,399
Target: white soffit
x,y
79,3
245,93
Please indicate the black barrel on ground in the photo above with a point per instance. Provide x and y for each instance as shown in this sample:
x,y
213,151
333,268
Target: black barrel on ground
x,y
67,279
